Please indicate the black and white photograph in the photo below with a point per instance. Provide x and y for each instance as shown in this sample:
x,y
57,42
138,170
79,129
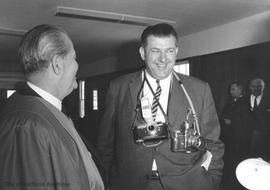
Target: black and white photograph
x,y
134,95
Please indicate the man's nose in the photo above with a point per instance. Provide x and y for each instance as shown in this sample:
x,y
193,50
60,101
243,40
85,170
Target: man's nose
x,y
162,57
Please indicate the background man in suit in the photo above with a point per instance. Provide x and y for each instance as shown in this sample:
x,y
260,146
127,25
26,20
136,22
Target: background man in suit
x,y
40,148
260,119
236,93
228,128
253,123
129,99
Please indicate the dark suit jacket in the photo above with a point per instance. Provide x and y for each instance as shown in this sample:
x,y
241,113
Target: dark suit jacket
x,y
252,129
227,130
128,163
36,151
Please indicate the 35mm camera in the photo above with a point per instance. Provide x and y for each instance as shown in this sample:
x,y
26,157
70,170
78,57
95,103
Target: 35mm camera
x,y
151,132
187,140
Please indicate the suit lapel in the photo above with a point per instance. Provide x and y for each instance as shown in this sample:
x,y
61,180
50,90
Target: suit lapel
x,y
69,127
263,103
177,105
135,86
61,117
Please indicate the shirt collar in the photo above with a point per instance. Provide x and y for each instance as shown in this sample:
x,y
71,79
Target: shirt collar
x,y
258,97
163,83
46,96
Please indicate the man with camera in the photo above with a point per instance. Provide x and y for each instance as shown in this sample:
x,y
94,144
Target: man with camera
x,y
160,129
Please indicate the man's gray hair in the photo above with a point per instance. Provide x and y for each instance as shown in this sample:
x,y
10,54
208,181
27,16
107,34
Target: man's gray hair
x,y
40,45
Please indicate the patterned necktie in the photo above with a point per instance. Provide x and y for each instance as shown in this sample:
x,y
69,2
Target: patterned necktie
x,y
155,100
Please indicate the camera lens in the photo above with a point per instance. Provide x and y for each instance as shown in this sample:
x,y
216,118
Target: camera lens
x,y
150,128
198,142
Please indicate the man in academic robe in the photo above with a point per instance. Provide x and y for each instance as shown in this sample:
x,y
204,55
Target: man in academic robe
x,y
40,148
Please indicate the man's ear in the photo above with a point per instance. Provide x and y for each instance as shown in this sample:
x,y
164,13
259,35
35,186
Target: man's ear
x,y
57,64
142,53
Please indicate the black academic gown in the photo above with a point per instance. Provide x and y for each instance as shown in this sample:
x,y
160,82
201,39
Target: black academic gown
x,y
37,152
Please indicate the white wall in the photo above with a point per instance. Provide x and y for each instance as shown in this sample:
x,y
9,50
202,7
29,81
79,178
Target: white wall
x,y
248,31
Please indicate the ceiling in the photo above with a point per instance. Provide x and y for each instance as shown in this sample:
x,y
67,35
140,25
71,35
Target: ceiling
x,y
95,40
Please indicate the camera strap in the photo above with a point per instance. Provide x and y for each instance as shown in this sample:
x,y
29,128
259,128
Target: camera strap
x,y
136,114
187,96
159,105
190,103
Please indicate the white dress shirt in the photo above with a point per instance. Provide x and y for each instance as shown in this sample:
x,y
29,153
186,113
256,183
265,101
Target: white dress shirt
x,y
164,96
252,97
